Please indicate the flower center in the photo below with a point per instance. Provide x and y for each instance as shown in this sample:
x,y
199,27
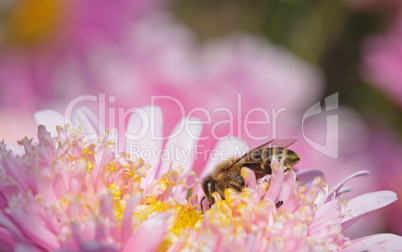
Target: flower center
x,y
33,22
186,217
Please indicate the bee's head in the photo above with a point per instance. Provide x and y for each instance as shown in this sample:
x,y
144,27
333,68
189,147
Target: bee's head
x,y
291,159
209,186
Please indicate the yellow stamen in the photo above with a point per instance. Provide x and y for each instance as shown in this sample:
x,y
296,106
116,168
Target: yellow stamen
x,y
111,166
186,217
152,205
90,166
115,190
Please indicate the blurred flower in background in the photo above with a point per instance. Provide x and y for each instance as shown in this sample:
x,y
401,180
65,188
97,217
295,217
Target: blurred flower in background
x,y
383,60
387,172
130,52
44,42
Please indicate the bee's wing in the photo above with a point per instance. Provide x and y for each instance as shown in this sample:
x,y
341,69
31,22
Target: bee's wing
x,y
284,143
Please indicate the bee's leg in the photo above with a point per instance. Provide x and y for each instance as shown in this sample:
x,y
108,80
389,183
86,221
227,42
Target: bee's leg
x,y
202,209
210,187
289,169
233,186
279,204
236,183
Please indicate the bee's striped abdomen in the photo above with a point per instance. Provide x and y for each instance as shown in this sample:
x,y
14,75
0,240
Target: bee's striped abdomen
x,y
260,160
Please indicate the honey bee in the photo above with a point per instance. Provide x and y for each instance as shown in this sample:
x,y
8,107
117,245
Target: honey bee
x,y
227,174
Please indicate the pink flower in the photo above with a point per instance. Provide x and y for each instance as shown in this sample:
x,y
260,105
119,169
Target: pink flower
x,y
67,193
170,62
224,82
387,172
165,59
311,217
382,55
46,42
70,192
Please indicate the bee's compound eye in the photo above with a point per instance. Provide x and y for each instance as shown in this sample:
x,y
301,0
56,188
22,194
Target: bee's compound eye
x,y
206,185
209,186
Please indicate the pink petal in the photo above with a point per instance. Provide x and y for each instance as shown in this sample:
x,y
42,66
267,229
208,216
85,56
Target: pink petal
x,y
12,228
354,175
7,240
345,190
181,145
106,206
252,242
190,178
34,227
275,186
45,186
96,246
144,138
307,176
13,168
50,119
330,211
288,186
249,177
363,204
377,242
26,248
204,203
127,225
78,177
150,233
15,149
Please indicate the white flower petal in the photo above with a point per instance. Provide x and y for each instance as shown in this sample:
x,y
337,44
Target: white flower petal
x,y
354,175
377,242
15,149
344,190
91,126
180,148
144,138
307,176
363,204
233,146
50,119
